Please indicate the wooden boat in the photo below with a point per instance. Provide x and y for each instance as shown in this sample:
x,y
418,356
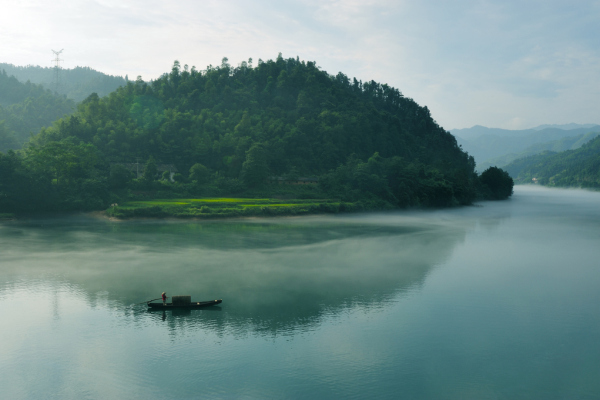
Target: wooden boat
x,y
191,305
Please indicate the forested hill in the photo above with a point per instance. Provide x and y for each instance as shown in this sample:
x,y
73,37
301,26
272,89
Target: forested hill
x,y
565,143
303,117
76,83
230,130
571,168
25,108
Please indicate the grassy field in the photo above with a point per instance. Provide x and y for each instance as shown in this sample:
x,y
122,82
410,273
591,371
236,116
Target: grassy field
x,y
225,208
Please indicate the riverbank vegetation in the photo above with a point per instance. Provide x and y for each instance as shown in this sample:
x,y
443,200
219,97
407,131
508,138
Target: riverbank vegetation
x,y
283,129
205,208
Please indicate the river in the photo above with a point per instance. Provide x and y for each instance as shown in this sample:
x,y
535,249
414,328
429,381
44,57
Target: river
x,y
495,301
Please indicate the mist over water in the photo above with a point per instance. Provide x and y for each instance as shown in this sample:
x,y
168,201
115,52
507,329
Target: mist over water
x,y
499,300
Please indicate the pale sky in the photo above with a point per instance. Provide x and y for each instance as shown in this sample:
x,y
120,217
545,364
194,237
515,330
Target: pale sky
x,y
506,64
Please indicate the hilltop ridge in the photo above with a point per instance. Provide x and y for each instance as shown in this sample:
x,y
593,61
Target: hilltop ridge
x,y
75,83
480,130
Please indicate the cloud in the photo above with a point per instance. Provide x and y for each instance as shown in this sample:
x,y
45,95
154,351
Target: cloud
x,y
531,60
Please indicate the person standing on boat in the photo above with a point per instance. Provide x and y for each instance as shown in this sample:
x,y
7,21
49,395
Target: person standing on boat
x,y
164,298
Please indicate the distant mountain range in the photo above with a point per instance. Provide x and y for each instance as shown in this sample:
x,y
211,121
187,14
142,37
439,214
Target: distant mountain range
x,y
478,130
77,83
564,126
498,147
566,143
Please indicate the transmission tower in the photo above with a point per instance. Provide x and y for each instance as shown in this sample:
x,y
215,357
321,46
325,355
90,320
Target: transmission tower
x,y
57,68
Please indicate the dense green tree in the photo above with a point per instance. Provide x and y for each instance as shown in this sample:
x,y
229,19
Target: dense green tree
x,y
20,190
150,170
8,140
255,169
63,161
119,176
497,182
396,182
57,176
199,173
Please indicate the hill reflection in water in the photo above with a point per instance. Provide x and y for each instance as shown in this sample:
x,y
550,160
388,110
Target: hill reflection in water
x,y
275,276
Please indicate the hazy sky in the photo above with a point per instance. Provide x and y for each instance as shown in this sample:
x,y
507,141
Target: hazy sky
x,y
508,64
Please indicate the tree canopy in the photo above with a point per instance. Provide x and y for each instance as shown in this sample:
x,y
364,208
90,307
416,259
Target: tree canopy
x,y
497,182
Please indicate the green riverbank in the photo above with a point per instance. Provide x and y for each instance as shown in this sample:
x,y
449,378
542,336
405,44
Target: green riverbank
x,y
210,208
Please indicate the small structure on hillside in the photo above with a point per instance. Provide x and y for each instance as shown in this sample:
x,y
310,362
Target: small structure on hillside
x,y
138,169
293,181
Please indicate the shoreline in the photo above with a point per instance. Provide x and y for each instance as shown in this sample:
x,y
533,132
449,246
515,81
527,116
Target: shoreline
x,y
104,214
227,208
101,215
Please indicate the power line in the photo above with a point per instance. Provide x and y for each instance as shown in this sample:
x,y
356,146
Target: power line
x,y
57,69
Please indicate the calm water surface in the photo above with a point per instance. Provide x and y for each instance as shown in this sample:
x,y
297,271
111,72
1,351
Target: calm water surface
x,y
498,301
